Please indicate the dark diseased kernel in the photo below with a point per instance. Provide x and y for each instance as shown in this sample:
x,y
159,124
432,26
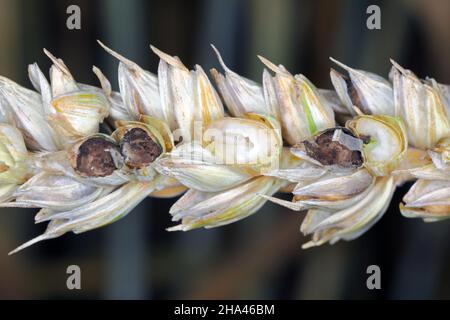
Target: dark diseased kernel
x,y
94,158
353,93
138,148
328,152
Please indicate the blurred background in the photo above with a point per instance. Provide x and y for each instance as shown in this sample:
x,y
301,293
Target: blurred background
x,y
261,256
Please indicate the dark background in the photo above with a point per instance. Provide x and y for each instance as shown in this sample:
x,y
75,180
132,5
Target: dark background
x,y
259,257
